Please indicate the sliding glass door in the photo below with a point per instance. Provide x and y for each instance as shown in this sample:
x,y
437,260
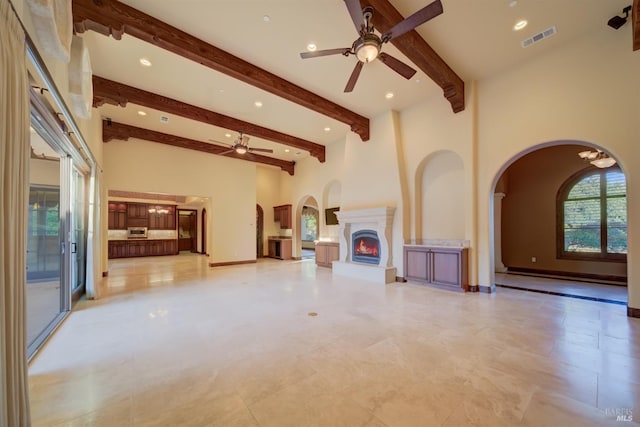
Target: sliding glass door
x,y
46,296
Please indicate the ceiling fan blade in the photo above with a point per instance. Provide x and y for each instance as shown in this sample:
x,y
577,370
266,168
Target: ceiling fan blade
x,y
325,52
354,77
420,17
396,65
355,10
261,150
224,153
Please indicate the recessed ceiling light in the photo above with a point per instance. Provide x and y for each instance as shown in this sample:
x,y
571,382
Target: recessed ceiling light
x,y
227,135
327,129
311,47
389,95
258,104
513,3
286,150
417,80
145,62
520,25
266,18
142,113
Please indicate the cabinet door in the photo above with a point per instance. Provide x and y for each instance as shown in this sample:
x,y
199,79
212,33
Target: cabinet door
x,y
111,219
321,255
333,253
446,268
120,220
417,264
154,221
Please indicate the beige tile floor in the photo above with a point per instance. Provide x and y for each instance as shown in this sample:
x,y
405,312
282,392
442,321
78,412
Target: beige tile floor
x,y
175,343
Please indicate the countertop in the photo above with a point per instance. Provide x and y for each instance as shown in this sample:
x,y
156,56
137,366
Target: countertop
x,y
137,240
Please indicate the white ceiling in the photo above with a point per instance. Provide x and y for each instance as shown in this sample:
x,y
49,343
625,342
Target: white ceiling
x,y
475,37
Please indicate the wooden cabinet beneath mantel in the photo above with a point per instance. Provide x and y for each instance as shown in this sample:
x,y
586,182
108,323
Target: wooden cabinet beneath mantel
x,y
282,214
446,267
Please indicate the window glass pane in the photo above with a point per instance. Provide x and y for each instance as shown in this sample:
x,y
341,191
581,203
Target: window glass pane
x,y
617,225
616,184
587,187
582,226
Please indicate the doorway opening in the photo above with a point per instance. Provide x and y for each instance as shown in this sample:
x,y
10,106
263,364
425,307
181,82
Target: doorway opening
x,y
259,232
187,230
561,232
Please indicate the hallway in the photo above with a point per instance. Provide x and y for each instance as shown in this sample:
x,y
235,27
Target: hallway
x,y
174,342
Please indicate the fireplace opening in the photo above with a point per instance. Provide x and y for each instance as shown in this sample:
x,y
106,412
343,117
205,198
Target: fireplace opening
x,y
365,247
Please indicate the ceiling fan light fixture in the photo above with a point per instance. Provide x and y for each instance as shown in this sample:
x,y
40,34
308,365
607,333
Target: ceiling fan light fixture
x,y
603,161
585,154
367,47
241,149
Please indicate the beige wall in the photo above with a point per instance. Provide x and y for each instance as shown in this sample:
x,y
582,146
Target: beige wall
x,y
268,195
228,184
529,212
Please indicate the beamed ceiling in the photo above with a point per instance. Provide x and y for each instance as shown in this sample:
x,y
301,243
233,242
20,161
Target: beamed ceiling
x,y
212,60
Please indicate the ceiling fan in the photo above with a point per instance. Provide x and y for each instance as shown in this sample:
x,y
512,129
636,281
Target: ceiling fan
x,y
241,146
368,46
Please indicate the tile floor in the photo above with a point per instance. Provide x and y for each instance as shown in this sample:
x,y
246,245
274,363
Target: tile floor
x,y
176,343
614,294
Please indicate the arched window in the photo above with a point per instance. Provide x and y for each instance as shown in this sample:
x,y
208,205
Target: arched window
x,y
592,216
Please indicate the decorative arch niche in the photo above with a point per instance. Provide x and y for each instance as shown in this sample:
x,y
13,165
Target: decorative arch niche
x,y
440,197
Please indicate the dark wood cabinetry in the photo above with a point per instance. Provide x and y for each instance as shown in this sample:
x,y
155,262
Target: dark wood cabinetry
x,y
441,266
282,214
137,215
137,248
163,220
155,217
326,253
117,216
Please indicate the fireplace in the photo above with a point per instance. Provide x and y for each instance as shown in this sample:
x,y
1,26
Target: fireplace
x,y
366,244
365,247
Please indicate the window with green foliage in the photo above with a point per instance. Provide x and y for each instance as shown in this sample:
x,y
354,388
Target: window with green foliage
x,y
592,208
309,223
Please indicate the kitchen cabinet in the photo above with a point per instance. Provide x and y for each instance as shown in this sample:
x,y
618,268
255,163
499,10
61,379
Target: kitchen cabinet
x,y
142,247
118,249
163,221
326,253
282,214
279,248
117,216
445,267
137,215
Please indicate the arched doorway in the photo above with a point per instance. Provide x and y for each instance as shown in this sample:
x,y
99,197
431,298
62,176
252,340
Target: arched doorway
x,y
535,223
204,232
259,232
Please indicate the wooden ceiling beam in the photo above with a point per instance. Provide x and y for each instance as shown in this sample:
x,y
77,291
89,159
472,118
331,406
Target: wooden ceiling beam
x,y
419,52
112,130
110,92
113,18
635,23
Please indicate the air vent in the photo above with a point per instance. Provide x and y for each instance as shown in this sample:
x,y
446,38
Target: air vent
x,y
164,119
539,37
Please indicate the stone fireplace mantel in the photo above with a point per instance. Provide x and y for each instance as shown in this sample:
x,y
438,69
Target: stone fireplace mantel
x,y
379,220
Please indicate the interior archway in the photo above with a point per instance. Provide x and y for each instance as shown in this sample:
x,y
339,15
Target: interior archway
x,y
525,241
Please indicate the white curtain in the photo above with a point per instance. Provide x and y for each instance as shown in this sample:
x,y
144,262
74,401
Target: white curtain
x,y
94,263
14,188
